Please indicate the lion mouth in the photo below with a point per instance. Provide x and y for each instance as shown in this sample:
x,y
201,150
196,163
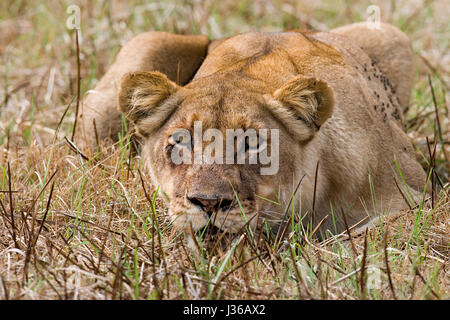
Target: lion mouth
x,y
210,231
216,227
213,235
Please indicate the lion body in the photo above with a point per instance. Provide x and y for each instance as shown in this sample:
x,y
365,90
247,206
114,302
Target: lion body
x,y
358,161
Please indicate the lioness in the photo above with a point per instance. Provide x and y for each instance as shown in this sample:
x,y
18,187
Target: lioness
x,y
335,98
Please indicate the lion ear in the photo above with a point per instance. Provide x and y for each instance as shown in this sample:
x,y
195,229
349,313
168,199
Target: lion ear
x,y
302,105
143,98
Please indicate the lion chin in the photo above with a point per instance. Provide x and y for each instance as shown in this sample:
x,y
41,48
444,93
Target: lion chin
x,y
253,129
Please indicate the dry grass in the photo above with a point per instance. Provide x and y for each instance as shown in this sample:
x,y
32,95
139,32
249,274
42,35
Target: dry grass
x,y
76,228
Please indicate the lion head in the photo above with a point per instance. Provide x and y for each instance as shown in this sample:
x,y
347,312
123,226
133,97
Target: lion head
x,y
226,147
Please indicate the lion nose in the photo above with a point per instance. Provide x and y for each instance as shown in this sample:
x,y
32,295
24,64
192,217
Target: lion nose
x,y
211,204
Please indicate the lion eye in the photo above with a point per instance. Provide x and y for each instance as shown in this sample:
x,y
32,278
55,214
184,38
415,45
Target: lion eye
x,y
175,139
180,138
251,144
255,145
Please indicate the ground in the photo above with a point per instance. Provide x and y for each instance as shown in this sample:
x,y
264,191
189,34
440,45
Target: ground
x,y
74,226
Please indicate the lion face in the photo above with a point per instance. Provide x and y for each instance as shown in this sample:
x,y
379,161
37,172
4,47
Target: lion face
x,y
223,149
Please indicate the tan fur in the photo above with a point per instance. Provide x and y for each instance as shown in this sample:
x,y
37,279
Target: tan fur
x,y
332,101
390,49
